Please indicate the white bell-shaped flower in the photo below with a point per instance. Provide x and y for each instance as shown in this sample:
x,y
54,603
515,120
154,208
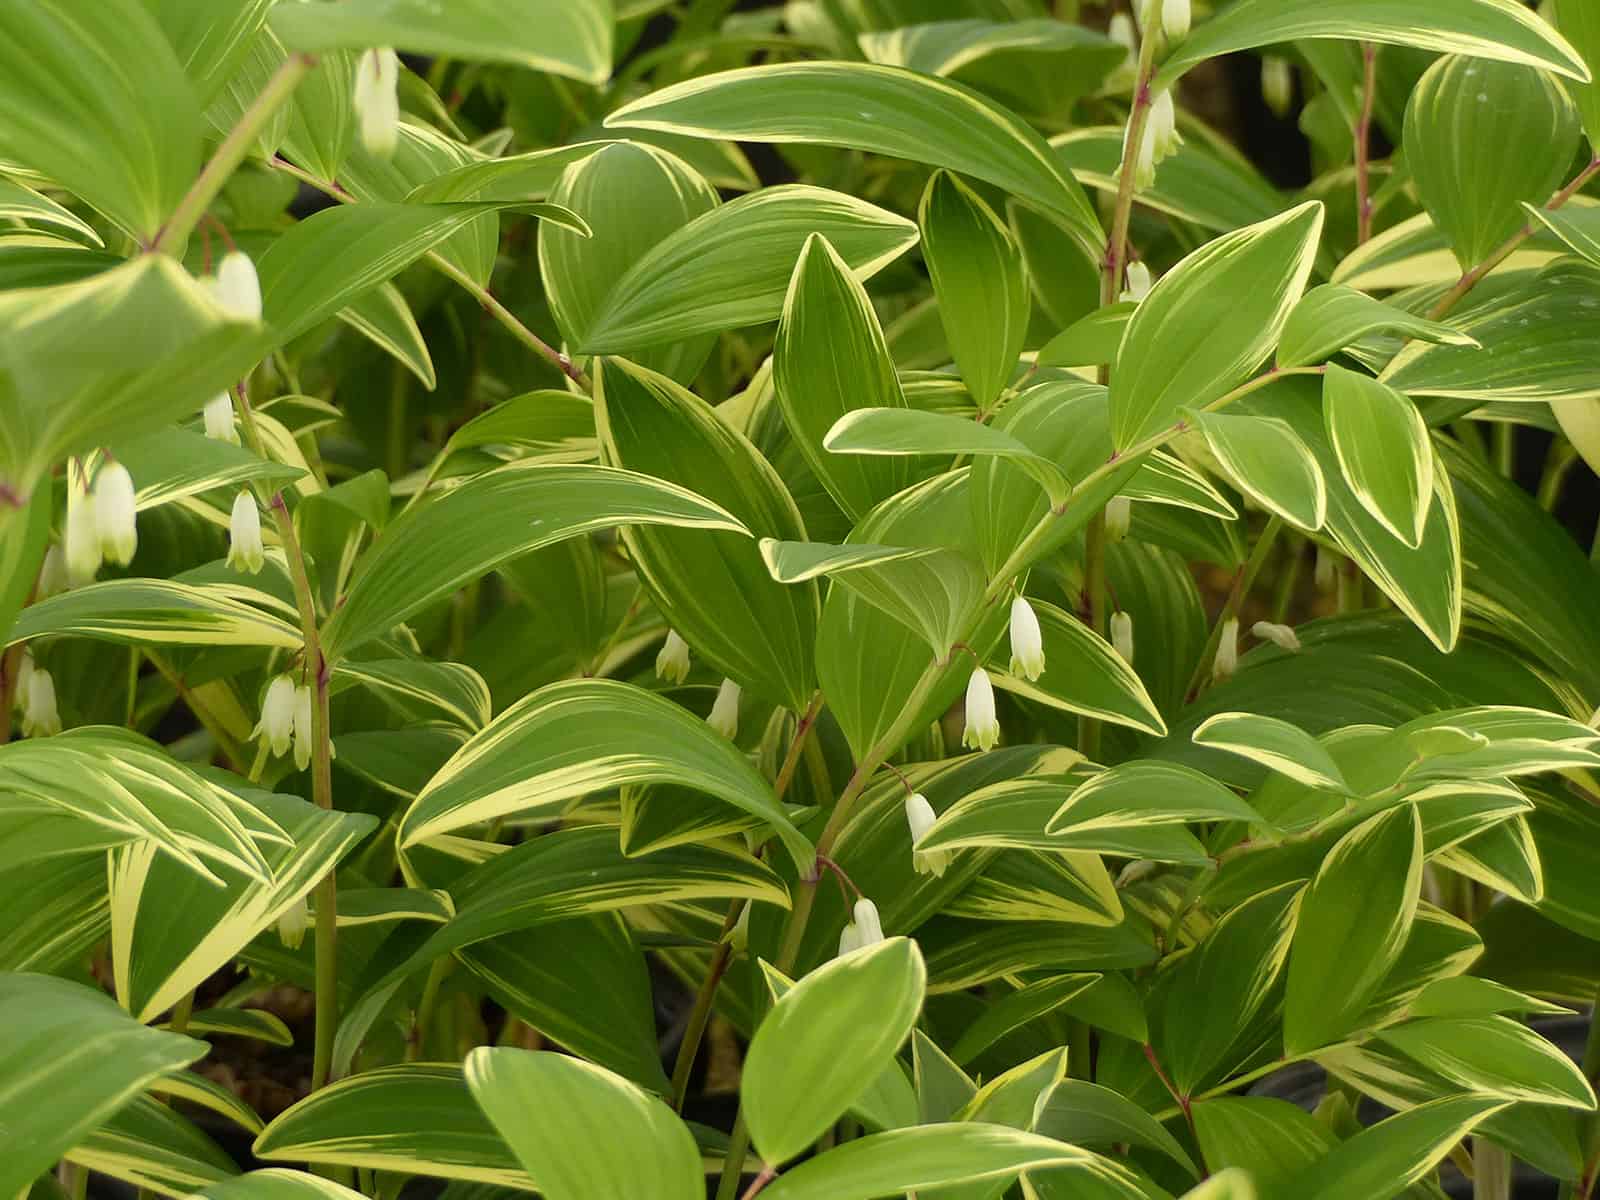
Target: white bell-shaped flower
x,y
1119,519
302,727
724,716
245,549
868,927
116,513
1227,660
53,576
218,414
377,100
276,726
25,670
292,924
237,289
1122,636
1176,16
39,715
82,536
1163,125
983,727
1027,643
921,817
1142,158
1281,636
672,661
1138,286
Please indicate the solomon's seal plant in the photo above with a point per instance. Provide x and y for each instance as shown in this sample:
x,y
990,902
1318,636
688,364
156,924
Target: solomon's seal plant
x,y
823,600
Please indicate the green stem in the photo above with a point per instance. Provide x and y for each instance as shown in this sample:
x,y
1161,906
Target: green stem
x,y
231,748
1491,1178
1094,589
1583,1189
1478,273
1563,457
1363,138
231,153
1288,581
1115,265
1504,438
425,1009
733,1163
327,891
181,1012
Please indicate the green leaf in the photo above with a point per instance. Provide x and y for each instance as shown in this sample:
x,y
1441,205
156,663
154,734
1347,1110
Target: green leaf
x,y
1475,163
907,431
276,1183
825,1042
1332,317
1082,674
171,930
1086,1114
1352,928
730,268
72,1059
330,259
1091,341
1384,1160
24,538
1184,349
582,983
933,592
420,686
210,40
175,463
1470,996
1272,1140
1225,1185
150,1146
556,426
1580,23
1495,1056
1384,451
19,202
96,100
440,545
1277,745
564,37
931,1156
1269,463
582,736
370,1120
1016,1010
980,284
157,612
255,1023
1147,792
711,585
882,110
633,197
1494,29
552,1110
828,359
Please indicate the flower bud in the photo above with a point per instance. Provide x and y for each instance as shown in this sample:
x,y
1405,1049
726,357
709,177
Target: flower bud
x,y
276,726
921,817
1119,519
245,551
292,924
1281,636
868,926
983,727
1027,643
1175,18
672,662
1142,159
1122,636
237,290
218,414
115,513
82,535
1139,283
25,672
724,716
377,100
39,715
302,727
1277,84
1227,660
1163,125
53,578
849,939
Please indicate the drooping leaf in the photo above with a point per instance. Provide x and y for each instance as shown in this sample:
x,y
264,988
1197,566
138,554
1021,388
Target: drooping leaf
x,y
1332,317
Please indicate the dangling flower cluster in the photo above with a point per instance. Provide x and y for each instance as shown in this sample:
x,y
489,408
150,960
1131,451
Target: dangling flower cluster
x,y
245,550
1281,636
286,720
921,817
983,727
865,930
1159,142
377,100
1176,17
724,716
35,695
672,662
1027,643
102,523
1227,660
